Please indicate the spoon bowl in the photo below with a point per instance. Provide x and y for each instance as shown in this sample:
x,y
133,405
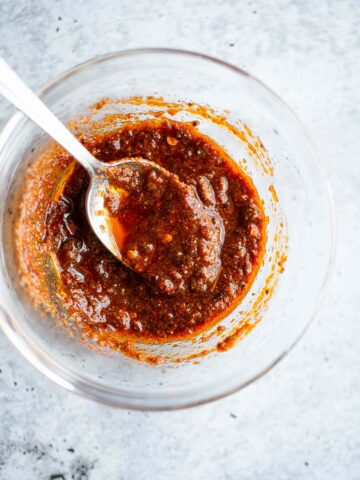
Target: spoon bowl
x,y
96,211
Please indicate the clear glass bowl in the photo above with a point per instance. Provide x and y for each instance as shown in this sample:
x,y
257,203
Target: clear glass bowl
x,y
304,206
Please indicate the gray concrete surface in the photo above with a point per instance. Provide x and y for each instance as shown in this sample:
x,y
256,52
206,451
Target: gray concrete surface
x,y
301,421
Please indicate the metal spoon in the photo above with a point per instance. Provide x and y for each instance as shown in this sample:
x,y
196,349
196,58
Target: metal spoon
x,y
20,95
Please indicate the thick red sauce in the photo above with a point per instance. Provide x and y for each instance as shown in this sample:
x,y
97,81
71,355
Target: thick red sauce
x,y
207,253
163,230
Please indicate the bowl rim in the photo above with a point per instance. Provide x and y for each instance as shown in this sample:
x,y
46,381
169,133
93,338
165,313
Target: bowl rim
x,y
122,399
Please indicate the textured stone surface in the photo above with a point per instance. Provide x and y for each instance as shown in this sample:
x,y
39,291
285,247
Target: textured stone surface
x,y
303,419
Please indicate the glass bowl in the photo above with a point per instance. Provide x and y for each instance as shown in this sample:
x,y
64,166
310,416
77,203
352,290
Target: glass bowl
x,y
301,229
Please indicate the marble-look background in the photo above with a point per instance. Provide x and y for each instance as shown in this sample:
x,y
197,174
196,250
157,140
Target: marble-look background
x,y
301,421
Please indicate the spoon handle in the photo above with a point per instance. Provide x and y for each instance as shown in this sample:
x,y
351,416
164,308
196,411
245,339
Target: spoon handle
x,y
20,95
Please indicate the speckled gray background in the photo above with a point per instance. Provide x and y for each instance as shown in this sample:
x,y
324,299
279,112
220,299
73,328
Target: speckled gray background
x,y
301,421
